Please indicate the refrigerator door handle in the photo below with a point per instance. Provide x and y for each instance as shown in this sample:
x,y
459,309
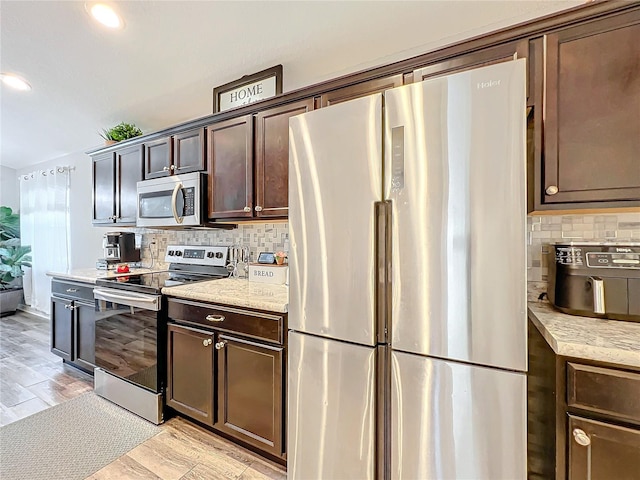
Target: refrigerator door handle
x,y
383,270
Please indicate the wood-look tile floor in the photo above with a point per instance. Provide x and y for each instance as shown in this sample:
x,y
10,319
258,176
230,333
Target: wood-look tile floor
x,y
32,379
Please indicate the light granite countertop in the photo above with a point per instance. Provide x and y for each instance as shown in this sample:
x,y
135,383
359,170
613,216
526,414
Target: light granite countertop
x,y
611,341
235,291
90,275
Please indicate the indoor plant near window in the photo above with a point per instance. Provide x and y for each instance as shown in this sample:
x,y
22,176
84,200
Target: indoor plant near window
x,y
120,132
13,257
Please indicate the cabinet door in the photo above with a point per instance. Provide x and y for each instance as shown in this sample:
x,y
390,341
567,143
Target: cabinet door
x,y
360,90
250,392
104,188
481,58
601,451
128,173
189,151
190,372
62,328
85,335
230,168
592,113
157,158
272,158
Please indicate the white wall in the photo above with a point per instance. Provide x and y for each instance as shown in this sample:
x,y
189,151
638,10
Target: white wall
x,y
86,240
9,188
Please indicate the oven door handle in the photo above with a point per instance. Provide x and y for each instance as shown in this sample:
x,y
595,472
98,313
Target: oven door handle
x,y
149,302
174,202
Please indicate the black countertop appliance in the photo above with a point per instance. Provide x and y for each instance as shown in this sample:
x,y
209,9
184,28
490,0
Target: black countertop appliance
x,y
596,279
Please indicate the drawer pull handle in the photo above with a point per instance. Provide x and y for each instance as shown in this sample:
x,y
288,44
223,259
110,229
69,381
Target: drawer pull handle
x,y
215,318
220,345
581,437
72,290
206,342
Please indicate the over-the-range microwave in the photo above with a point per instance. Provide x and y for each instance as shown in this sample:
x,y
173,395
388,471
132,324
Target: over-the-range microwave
x,y
175,201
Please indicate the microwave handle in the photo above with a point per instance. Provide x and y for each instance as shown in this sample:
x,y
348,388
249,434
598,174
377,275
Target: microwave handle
x,y
174,202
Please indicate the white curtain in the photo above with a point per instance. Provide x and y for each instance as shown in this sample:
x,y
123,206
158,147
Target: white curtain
x,y
44,225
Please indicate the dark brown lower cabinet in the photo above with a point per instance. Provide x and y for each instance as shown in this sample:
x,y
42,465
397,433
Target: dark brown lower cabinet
x,y
62,333
583,417
226,368
73,332
602,451
250,392
190,372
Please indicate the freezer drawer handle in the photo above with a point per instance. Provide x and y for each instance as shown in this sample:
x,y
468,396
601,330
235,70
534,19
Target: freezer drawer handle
x,y
581,437
215,318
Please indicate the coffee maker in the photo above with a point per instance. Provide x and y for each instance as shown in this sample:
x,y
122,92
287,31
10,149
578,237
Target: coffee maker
x,y
119,247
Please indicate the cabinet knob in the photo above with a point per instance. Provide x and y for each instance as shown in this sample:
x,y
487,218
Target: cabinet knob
x,y
220,345
207,341
215,318
67,307
551,190
247,209
172,167
258,208
581,437
165,169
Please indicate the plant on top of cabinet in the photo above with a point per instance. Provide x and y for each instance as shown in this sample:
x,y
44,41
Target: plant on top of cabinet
x,y
122,131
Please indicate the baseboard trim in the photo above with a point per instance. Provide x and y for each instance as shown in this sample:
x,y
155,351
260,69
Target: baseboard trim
x,y
33,311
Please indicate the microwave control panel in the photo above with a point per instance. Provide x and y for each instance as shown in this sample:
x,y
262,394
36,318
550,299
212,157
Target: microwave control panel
x,y
189,201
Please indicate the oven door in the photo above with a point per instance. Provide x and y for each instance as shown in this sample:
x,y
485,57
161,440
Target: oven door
x,y
170,202
127,332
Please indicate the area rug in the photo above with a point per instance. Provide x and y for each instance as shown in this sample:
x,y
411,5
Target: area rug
x,y
71,440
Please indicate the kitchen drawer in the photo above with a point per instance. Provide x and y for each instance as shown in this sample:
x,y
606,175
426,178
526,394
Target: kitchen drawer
x,y
72,290
604,390
251,324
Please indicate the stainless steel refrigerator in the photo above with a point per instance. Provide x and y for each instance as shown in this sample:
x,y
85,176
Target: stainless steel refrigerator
x,y
407,298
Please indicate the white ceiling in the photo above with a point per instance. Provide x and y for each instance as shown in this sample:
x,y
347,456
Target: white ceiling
x,y
161,68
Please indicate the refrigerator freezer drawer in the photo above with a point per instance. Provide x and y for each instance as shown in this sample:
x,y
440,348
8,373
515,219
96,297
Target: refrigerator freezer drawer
x,y
455,175
456,421
331,412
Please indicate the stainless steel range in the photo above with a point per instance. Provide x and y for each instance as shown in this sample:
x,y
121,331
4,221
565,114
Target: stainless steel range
x,y
131,329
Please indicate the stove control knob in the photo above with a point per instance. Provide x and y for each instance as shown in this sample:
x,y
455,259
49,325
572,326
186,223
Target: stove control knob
x,y
209,254
219,255
170,253
178,253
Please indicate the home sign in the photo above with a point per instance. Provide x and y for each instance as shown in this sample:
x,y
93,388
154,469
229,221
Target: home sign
x,y
248,89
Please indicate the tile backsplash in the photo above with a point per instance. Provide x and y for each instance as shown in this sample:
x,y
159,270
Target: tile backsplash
x,y
547,229
267,237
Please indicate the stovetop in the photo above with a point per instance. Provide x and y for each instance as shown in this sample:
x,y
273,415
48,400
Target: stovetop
x,y
153,283
188,264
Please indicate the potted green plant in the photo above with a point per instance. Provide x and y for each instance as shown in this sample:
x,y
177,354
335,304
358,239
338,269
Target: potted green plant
x,y
122,131
13,257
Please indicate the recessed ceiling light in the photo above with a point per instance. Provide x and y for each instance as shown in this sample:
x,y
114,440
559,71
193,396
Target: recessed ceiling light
x,y
14,81
106,15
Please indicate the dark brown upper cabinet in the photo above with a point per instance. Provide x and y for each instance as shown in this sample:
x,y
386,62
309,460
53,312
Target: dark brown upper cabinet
x,y
479,58
115,175
230,168
361,89
157,158
183,152
590,147
272,158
